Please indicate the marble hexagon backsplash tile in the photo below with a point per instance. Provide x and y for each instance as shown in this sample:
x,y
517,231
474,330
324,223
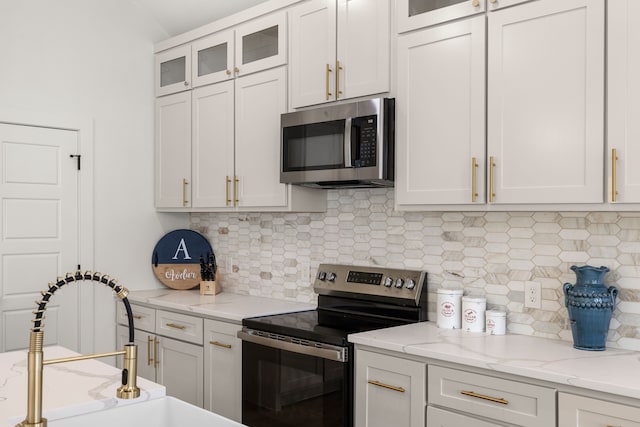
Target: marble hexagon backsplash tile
x,y
491,254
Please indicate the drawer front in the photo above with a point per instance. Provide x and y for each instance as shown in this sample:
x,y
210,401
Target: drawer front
x,y
179,326
143,317
440,418
579,411
503,400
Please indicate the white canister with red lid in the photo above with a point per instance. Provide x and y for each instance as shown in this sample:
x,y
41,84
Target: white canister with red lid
x,y
449,308
473,313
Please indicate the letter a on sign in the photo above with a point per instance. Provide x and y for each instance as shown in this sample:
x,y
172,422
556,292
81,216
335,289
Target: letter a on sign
x,y
182,247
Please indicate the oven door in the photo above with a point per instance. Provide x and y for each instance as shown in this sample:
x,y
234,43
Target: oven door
x,y
287,383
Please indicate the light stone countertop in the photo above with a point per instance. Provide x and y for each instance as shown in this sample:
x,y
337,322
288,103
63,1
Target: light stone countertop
x,y
224,306
69,389
610,371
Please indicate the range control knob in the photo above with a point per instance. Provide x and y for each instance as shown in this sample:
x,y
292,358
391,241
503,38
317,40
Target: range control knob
x,y
322,275
399,283
388,281
331,277
410,284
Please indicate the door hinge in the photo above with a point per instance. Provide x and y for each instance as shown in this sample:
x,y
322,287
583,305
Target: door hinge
x,y
77,156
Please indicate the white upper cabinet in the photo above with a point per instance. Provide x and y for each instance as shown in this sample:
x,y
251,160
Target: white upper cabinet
x,y
339,49
440,112
173,70
499,4
623,101
254,46
414,14
546,103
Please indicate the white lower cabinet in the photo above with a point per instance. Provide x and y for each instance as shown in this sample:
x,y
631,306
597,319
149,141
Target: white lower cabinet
x,y
389,391
440,418
223,369
580,411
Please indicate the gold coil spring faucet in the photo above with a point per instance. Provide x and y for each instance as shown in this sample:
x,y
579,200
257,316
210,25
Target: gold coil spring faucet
x,y
128,389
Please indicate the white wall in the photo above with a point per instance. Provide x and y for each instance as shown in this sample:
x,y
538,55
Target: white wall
x,y
94,59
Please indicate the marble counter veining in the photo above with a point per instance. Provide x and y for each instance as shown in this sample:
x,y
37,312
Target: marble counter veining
x,y
610,371
224,306
69,389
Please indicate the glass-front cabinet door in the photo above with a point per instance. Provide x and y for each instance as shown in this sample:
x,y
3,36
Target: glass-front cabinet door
x,y
414,14
260,44
212,59
173,70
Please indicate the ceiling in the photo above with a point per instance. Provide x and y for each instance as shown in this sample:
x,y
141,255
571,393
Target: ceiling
x,y
178,16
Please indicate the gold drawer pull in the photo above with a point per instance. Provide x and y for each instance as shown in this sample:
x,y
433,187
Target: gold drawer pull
x,y
174,326
149,358
611,425
219,344
137,316
383,385
482,396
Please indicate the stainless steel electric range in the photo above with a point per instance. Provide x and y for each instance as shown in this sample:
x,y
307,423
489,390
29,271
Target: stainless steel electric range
x,y
297,368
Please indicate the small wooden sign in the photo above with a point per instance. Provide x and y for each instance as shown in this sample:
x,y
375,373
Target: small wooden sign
x,y
176,258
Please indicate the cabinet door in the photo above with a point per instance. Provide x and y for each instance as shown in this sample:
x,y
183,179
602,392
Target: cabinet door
x,y
578,411
213,142
145,342
440,418
362,61
173,151
389,391
212,59
223,369
173,70
545,102
181,369
261,44
498,4
440,111
260,99
413,14
313,52
623,99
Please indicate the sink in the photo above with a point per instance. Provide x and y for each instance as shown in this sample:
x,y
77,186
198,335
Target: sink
x,y
162,412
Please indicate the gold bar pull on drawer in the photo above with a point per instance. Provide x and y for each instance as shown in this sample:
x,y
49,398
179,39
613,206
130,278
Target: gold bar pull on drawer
x,y
485,397
383,385
219,344
174,326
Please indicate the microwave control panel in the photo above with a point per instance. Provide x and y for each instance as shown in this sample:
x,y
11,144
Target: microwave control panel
x,y
366,140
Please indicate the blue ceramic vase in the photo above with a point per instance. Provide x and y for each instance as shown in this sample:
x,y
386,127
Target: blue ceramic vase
x,y
590,305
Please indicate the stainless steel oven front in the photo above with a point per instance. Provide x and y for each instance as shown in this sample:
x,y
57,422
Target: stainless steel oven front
x,y
288,381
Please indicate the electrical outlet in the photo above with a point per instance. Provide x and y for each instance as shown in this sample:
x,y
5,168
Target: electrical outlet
x,y
532,294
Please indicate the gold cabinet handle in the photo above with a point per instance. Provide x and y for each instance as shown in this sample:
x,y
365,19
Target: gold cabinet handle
x,y
219,344
493,1
226,191
236,70
614,190
474,179
475,3
235,190
338,68
174,326
184,192
387,386
149,358
492,165
485,397
327,71
228,72
137,316
156,362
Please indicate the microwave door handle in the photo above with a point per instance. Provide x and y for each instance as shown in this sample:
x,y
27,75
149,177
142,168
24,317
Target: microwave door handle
x,y
347,143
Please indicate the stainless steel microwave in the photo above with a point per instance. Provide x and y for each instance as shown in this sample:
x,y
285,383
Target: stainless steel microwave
x,y
340,146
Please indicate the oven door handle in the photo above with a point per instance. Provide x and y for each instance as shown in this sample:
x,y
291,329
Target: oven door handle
x,y
326,351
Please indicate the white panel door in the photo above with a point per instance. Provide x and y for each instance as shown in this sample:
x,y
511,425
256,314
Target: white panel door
x,y
180,368
313,52
173,151
441,114
623,98
546,102
213,144
362,66
260,99
38,232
